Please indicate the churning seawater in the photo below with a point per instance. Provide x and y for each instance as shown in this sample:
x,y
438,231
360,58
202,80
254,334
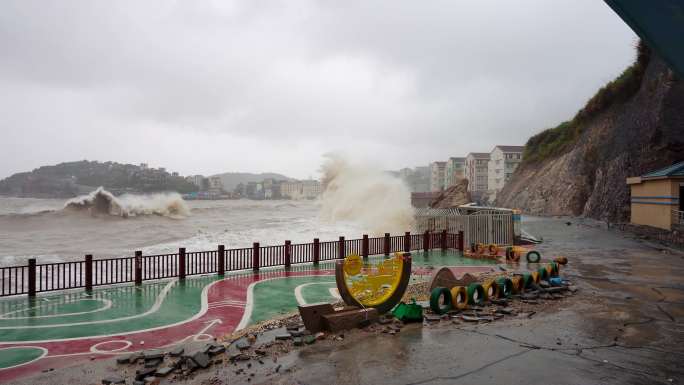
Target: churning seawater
x,y
43,229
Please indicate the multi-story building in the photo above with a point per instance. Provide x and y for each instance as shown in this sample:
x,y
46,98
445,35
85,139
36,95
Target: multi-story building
x,y
503,160
215,184
311,189
305,189
437,176
476,168
455,171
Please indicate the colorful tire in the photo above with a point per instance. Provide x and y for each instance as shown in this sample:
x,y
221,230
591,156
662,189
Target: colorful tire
x,y
533,256
543,274
493,249
509,250
535,277
505,287
549,270
480,248
472,247
459,297
556,268
527,279
491,289
475,294
443,294
518,284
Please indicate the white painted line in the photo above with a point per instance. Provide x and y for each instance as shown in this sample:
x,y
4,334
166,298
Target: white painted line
x,y
94,348
335,293
107,306
298,290
155,307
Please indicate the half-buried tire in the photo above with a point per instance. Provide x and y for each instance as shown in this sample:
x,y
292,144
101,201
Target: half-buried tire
x,y
518,284
491,289
476,294
387,305
459,297
440,300
505,287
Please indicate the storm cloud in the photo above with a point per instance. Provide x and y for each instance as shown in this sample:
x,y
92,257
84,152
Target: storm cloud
x,y
207,87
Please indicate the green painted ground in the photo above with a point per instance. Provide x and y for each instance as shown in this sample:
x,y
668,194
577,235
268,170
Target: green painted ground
x,y
19,355
124,309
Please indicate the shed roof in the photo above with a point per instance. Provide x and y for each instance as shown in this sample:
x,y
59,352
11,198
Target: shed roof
x,y
511,148
676,169
479,155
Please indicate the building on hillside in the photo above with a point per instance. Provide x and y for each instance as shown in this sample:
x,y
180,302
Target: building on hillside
x,y
215,183
311,189
195,179
437,176
476,172
454,172
657,198
503,160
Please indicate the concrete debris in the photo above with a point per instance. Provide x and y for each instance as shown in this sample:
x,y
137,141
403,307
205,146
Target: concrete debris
x,y
153,363
113,380
177,352
163,372
153,354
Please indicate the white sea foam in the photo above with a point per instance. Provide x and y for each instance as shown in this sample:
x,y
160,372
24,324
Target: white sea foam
x,y
102,201
361,193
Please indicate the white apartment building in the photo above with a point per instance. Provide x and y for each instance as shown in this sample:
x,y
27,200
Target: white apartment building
x,y
437,176
215,183
305,189
454,172
476,169
503,160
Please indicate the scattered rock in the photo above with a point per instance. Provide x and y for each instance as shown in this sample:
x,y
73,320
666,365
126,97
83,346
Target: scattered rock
x,y
163,372
298,341
432,318
113,380
143,373
152,354
153,363
177,352
201,359
283,337
242,344
309,340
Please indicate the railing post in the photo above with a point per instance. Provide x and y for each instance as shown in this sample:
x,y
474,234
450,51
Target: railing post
x,y
444,240
386,245
407,241
88,272
426,241
31,278
341,248
138,267
181,263
316,251
288,256
255,256
221,260
364,246
460,241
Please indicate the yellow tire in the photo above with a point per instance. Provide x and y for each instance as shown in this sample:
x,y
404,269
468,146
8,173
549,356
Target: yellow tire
x,y
491,290
549,270
480,248
535,277
493,249
459,297
518,284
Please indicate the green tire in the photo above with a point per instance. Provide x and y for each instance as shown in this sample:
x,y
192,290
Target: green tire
x,y
440,293
505,287
527,279
476,294
543,274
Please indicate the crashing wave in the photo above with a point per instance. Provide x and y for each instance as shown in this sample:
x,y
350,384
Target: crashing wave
x,y
102,202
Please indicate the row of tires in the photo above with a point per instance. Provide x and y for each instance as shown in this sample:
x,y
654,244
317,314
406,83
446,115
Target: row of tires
x,y
513,253
443,299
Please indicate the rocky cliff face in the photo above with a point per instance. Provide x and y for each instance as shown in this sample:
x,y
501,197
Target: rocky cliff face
x,y
454,196
629,133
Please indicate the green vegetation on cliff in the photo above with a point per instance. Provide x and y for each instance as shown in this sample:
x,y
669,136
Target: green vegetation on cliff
x,y
555,141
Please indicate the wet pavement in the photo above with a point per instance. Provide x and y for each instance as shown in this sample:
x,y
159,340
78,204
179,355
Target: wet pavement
x,y
623,327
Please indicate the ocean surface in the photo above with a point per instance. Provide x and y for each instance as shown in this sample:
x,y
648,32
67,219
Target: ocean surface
x,y
107,226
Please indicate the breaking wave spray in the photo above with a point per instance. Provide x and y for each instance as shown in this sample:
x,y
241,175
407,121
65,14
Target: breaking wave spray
x,y
102,202
360,193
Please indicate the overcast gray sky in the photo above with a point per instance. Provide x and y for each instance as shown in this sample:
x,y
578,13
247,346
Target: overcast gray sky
x,y
214,86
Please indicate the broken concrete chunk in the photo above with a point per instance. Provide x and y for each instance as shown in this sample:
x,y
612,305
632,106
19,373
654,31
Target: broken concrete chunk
x,y
242,344
163,372
113,380
142,373
201,359
152,354
298,341
123,359
283,337
176,352
153,363
309,340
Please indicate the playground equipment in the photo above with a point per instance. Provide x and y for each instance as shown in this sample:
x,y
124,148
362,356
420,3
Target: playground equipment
x,y
482,250
380,286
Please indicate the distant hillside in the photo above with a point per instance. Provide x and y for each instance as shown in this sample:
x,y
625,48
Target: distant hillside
x,y
232,179
633,125
69,179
